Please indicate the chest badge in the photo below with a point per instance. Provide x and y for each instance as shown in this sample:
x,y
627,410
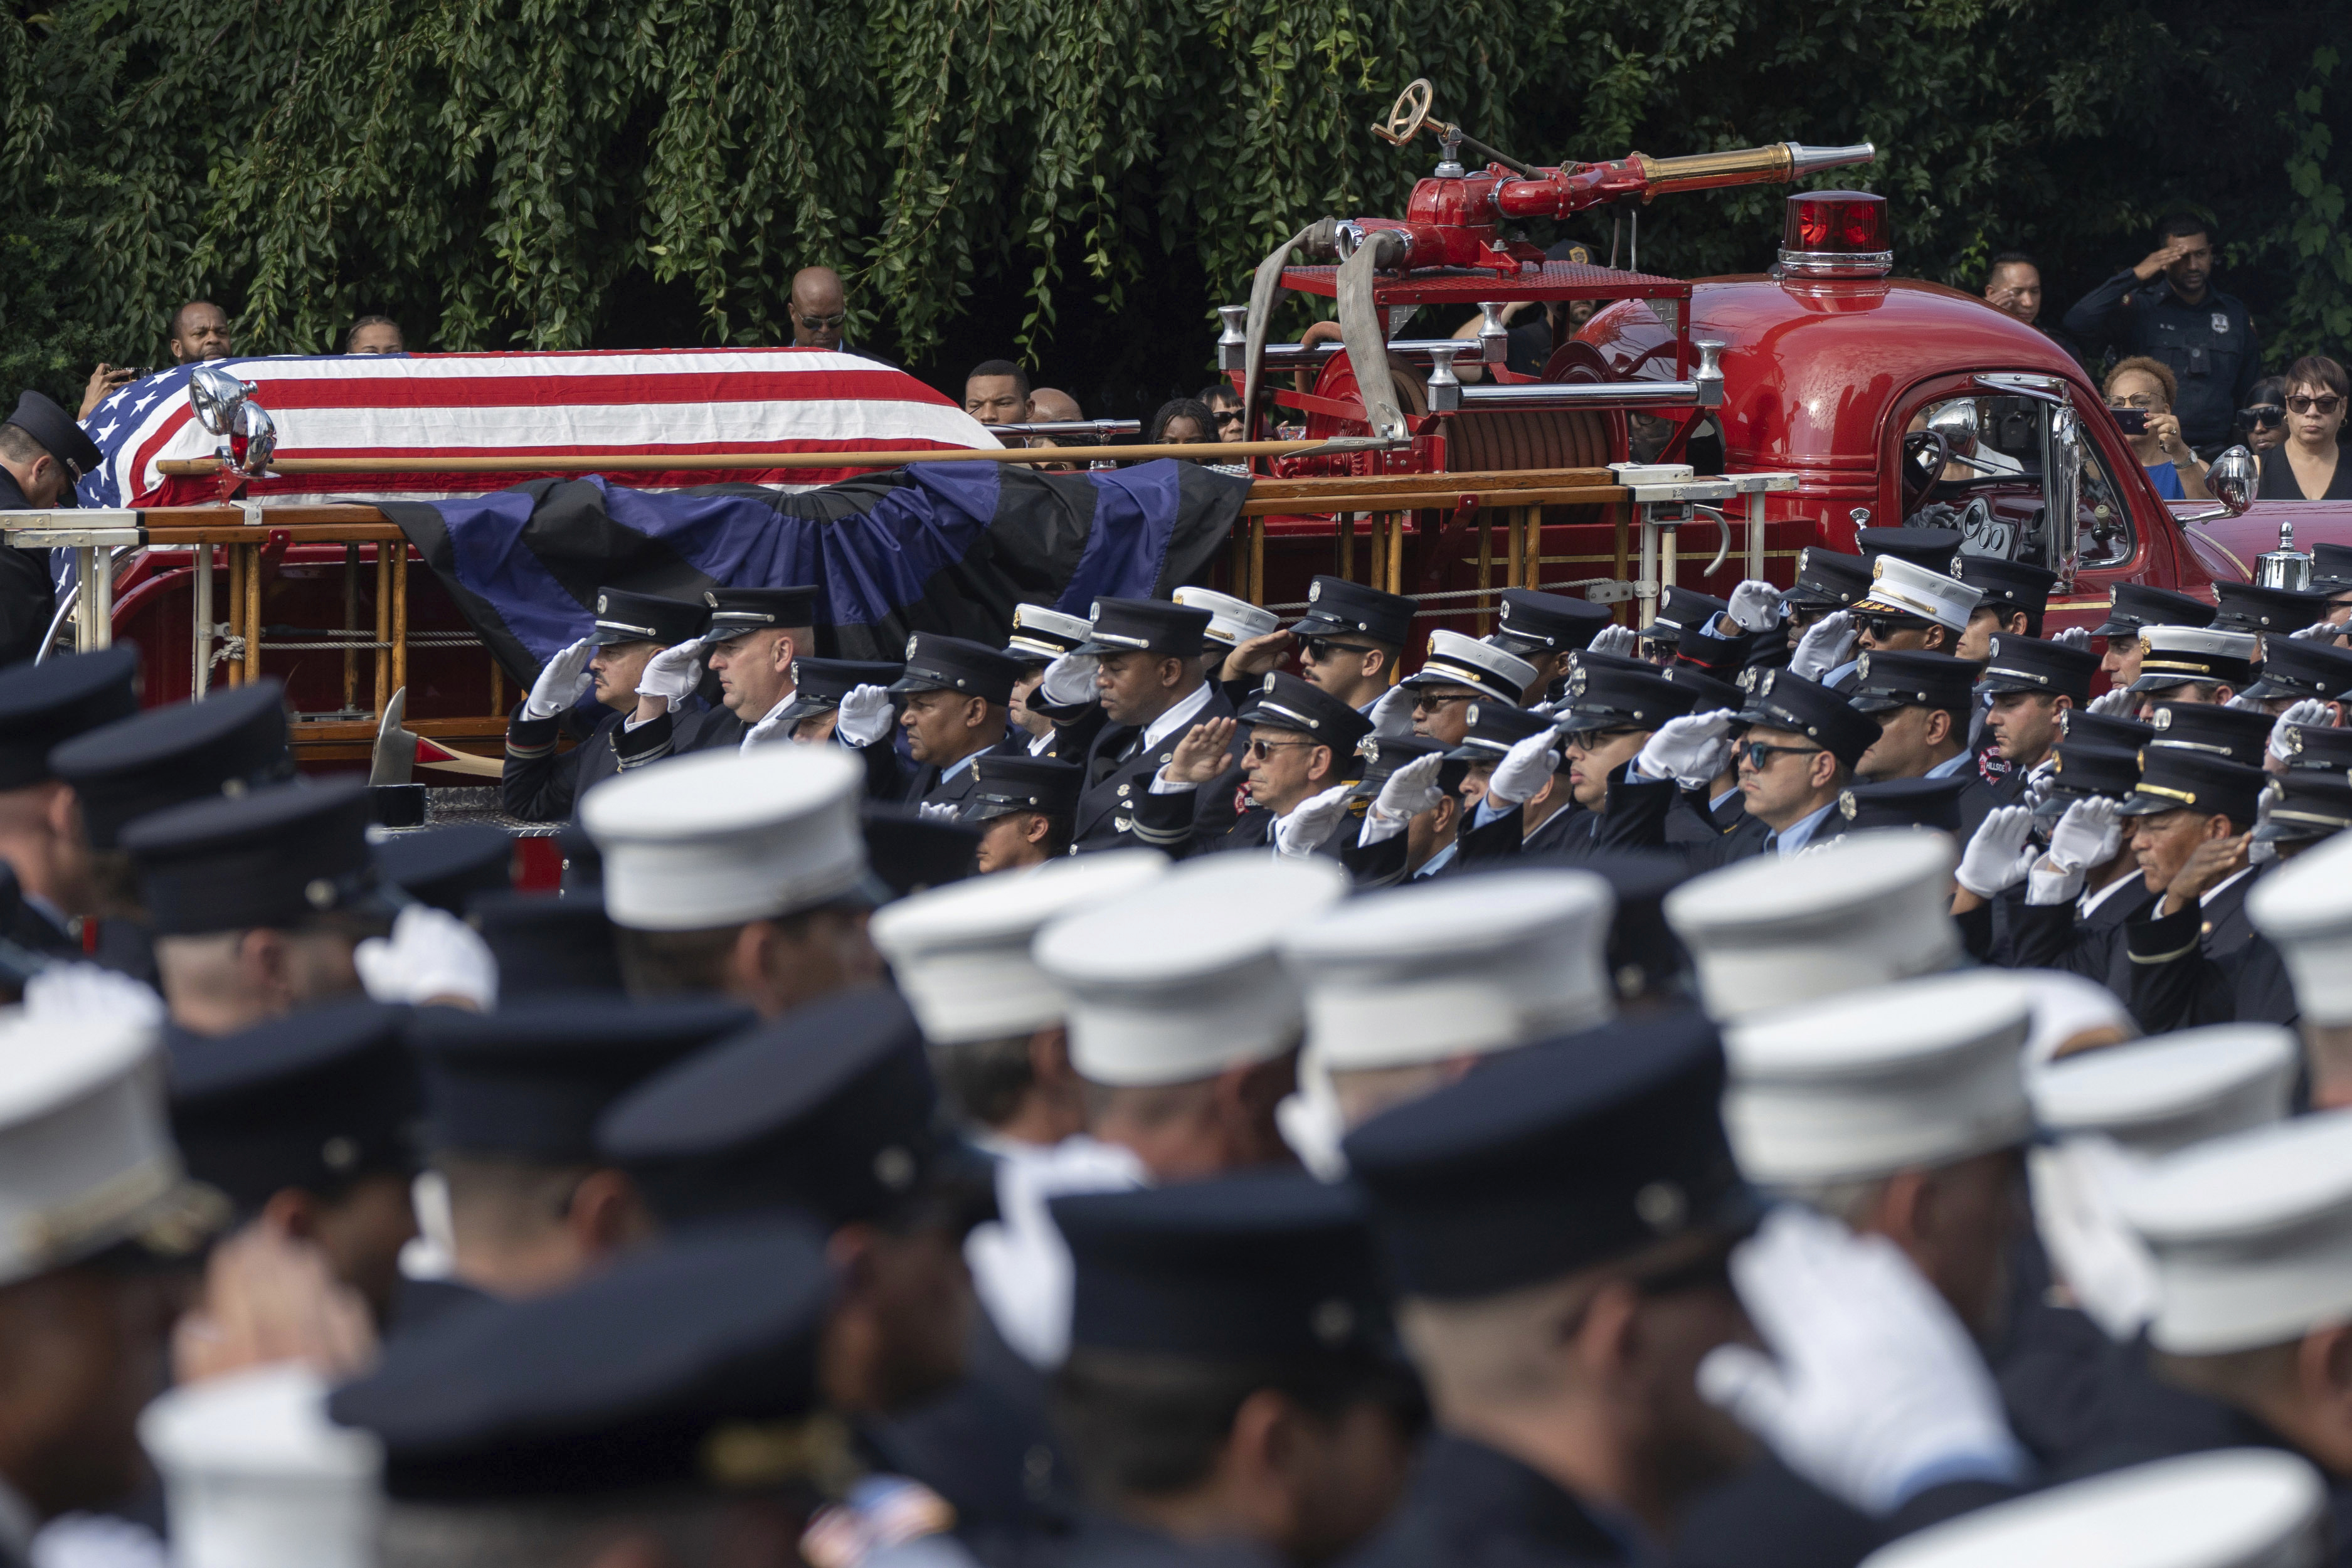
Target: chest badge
x,y
2220,320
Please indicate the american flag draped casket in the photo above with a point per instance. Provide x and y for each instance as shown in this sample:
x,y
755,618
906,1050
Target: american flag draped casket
x,y
628,403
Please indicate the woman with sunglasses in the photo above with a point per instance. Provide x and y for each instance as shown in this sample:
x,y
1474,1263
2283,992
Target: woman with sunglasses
x,y
2308,465
2263,421
2142,391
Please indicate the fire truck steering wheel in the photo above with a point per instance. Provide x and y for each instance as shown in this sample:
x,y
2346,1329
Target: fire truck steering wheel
x,y
1926,454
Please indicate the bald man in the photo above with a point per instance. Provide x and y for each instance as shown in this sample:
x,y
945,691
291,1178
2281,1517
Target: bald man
x,y
199,332
820,308
1050,404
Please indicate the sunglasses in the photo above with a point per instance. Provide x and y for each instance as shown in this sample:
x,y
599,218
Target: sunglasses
x,y
1422,703
1879,626
2326,402
1257,748
1592,740
823,323
1228,416
1757,756
1315,650
2268,416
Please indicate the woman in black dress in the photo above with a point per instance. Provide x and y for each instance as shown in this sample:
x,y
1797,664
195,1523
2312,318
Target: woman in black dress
x,y
2308,465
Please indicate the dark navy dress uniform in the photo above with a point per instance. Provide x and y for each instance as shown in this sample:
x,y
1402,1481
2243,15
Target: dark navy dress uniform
x,y
43,707
936,662
542,785
1119,766
232,741
2173,778
830,1114
1273,1270
1526,1170
1886,683
1294,709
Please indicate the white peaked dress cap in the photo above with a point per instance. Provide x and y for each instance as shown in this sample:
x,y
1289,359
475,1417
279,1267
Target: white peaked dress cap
x,y
2251,1234
86,1159
1872,1082
1180,980
2232,1507
2159,1095
1231,621
258,1478
1455,967
2304,908
723,836
1906,588
960,953
1776,931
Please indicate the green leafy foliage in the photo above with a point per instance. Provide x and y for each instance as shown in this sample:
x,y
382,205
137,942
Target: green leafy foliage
x,y
1087,178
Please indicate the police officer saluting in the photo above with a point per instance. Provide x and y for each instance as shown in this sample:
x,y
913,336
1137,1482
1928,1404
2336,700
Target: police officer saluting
x,y
754,639
630,630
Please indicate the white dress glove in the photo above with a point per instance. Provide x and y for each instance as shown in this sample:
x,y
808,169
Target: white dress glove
x,y
2117,703
1404,794
865,716
2309,710
70,993
2078,1186
431,956
1311,822
1392,714
2243,704
1691,750
1070,679
2040,779
2328,630
562,681
2000,855
1617,641
938,811
1756,605
2076,638
1872,1391
674,673
2087,835
1525,769
1823,647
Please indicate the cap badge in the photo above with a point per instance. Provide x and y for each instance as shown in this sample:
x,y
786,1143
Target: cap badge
x,y
1333,1322
319,893
1578,679
1269,681
2163,719
1956,564
1878,569
894,1168
1766,682
1804,558
600,604
1432,642
1847,805
1314,592
1094,611
1663,1206
910,648
710,598
1862,668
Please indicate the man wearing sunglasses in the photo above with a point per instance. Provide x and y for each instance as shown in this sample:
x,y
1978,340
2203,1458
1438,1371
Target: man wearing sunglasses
x,y
1348,642
1458,671
2165,308
820,309
43,454
1298,765
1913,608
1803,744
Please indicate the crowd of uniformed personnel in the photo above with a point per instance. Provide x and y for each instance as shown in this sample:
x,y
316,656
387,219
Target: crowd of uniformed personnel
x,y
1798,1083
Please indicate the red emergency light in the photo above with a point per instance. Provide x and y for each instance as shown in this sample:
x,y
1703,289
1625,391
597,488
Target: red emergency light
x,y
1835,233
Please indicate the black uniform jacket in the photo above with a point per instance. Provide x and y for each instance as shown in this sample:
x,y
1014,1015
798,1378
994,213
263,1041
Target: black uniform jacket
x,y
28,598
